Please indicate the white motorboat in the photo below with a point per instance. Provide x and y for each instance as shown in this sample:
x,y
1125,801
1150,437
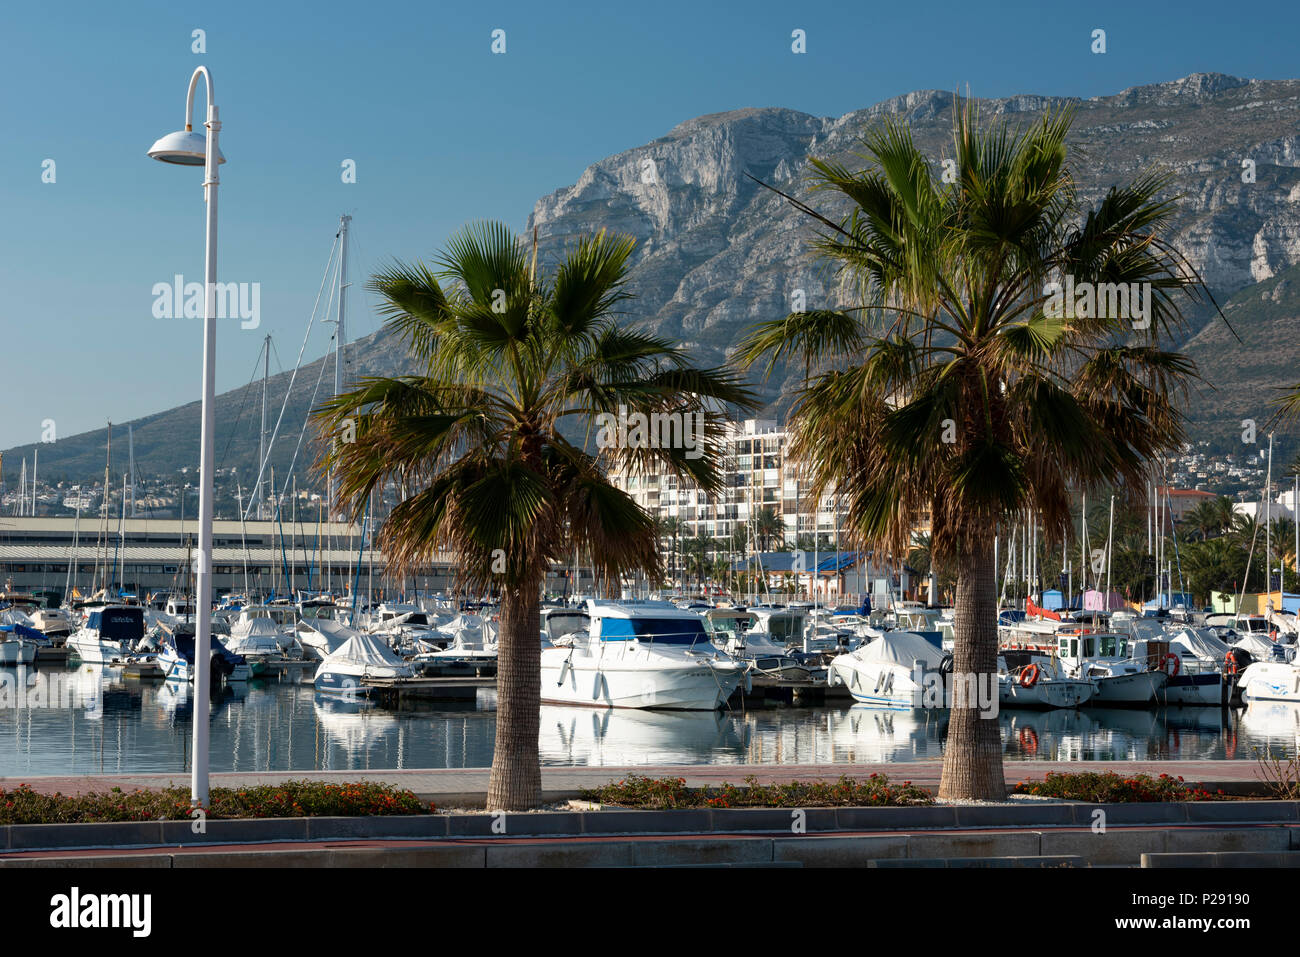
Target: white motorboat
x,y
110,633
736,632
1270,681
54,623
259,641
176,657
1039,683
360,656
640,655
407,626
889,671
1104,659
16,649
1199,678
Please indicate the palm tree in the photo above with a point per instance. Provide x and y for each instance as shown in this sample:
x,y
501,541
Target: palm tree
x,y
673,528
1205,520
696,557
768,527
1225,514
509,366
962,382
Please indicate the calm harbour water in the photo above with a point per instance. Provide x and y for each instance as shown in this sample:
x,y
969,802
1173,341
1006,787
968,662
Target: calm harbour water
x,y
91,720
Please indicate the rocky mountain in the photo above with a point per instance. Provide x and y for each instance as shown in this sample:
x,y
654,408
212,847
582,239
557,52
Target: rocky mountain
x,y
716,251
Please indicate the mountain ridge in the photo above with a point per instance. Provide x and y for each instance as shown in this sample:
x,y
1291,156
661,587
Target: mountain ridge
x,y
716,252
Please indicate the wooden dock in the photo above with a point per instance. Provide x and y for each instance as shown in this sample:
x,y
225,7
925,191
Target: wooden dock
x,y
394,690
809,691
49,655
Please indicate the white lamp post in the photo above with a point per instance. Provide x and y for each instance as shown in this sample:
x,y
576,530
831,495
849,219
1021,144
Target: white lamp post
x,y
187,148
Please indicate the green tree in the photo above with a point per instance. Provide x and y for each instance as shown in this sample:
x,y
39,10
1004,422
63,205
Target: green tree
x,y
504,359
769,528
962,382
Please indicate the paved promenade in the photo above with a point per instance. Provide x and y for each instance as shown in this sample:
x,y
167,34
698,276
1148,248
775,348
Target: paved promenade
x,y
449,786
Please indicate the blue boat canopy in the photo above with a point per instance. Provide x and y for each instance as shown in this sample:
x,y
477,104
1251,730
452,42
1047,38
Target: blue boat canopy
x,y
665,631
118,624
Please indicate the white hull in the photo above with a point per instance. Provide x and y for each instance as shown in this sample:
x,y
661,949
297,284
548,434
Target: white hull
x,y
1270,681
17,652
1203,694
1046,693
698,687
94,651
1139,689
874,683
175,668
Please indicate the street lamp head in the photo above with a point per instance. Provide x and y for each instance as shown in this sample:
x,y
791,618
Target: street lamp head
x,y
184,148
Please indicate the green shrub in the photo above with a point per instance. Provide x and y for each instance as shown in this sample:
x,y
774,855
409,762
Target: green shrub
x,y
22,805
636,791
1107,787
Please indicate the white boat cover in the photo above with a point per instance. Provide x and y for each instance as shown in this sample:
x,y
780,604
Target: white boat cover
x,y
335,633
1201,643
1260,648
256,628
12,616
365,651
901,648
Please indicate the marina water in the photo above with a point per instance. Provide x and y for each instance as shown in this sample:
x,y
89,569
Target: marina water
x,y
90,720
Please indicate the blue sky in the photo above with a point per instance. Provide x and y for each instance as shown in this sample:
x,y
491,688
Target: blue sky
x,y
442,131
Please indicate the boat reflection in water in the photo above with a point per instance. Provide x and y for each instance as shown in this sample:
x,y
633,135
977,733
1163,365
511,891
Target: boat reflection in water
x,y
573,735
1116,734
278,725
1273,727
356,727
864,734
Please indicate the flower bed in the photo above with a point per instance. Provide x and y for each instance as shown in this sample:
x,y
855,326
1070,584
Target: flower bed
x,y
1111,788
22,805
636,791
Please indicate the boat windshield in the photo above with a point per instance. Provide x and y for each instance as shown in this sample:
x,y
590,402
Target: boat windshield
x,y
785,627
1111,646
664,631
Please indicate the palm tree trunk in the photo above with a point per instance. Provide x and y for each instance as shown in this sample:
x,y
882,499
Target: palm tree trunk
x,y
972,757
516,780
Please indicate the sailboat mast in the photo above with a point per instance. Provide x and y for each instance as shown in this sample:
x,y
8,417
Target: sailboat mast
x,y
130,467
1268,518
101,551
340,329
261,439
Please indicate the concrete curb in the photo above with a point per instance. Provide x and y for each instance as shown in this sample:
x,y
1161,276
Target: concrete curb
x,y
1224,859
1148,847
810,821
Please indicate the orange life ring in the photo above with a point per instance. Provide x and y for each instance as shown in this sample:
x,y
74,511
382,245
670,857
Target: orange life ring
x,y
1230,663
1029,677
1029,740
1164,664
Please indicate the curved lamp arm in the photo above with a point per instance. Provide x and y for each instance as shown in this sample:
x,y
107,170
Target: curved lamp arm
x,y
189,99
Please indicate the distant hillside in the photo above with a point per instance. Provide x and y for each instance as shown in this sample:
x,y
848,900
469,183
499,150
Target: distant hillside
x,y
1242,380
169,441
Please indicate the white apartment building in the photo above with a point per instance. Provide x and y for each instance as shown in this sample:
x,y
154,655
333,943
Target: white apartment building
x,y
756,476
